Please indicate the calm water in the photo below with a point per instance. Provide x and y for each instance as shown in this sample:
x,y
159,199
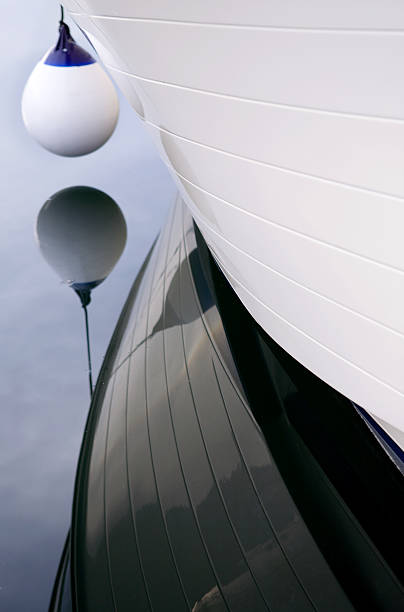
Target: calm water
x,y
43,375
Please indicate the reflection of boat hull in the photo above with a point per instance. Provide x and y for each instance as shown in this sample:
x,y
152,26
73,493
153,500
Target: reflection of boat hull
x,y
283,128
211,481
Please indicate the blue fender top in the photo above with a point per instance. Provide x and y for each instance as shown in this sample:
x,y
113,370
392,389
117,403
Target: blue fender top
x,y
67,52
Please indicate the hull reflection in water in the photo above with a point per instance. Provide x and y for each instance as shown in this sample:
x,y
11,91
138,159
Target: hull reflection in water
x,y
216,472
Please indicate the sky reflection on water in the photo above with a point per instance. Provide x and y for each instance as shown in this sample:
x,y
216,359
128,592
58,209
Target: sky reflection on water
x,y
43,375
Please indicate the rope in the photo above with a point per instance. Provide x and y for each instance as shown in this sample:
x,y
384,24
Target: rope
x,y
90,376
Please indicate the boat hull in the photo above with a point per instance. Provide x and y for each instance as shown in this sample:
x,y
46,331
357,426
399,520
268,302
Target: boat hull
x,y
284,131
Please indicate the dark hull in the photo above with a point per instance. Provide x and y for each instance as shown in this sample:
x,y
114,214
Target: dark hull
x,y
216,473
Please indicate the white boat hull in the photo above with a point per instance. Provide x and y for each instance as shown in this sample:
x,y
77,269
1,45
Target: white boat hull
x,y
283,126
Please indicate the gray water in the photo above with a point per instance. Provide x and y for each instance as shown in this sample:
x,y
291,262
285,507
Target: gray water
x,y
43,373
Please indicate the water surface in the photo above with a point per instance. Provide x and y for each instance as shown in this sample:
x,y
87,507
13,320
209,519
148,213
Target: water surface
x,y
43,373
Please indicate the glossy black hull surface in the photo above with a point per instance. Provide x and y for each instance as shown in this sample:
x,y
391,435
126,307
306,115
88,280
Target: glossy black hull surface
x,y
194,490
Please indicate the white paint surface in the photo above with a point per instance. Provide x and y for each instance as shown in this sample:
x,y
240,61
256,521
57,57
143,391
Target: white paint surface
x,y
283,127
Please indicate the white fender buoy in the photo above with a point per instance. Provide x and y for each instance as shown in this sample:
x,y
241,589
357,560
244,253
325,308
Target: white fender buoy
x,y
69,104
81,233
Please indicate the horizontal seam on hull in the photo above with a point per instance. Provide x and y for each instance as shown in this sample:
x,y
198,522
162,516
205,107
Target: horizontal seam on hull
x,y
275,166
241,26
303,109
